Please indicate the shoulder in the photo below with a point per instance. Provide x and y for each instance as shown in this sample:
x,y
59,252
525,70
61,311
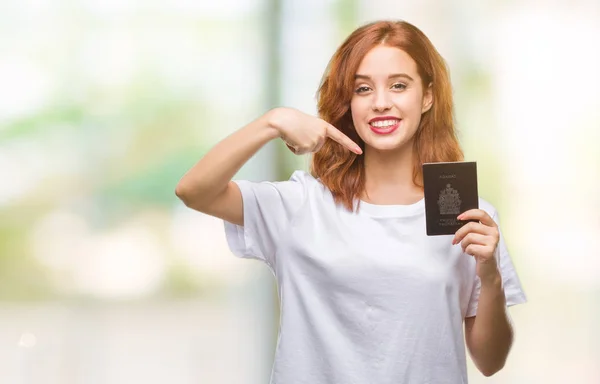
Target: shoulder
x,y
297,186
301,185
303,177
314,190
307,180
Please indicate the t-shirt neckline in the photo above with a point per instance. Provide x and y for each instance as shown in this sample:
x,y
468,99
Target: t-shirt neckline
x,y
392,210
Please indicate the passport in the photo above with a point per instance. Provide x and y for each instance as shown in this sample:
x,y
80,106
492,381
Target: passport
x,y
450,189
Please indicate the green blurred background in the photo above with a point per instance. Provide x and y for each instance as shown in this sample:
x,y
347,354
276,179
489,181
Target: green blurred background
x,y
105,277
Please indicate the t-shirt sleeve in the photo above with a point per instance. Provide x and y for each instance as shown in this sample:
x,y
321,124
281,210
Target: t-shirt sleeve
x,y
512,285
269,208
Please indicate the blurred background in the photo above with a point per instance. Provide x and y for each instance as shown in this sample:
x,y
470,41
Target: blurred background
x,y
105,277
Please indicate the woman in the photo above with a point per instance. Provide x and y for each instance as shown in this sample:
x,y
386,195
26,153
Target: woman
x,y
366,296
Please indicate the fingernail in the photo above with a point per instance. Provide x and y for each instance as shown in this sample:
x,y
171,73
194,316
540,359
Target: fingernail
x,y
358,150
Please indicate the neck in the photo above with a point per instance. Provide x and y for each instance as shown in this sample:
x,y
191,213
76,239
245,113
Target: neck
x,y
389,177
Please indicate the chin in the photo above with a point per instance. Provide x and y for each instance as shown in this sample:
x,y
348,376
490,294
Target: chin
x,y
385,147
384,144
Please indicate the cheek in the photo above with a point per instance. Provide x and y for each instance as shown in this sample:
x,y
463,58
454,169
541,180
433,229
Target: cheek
x,y
353,112
409,103
357,109
418,102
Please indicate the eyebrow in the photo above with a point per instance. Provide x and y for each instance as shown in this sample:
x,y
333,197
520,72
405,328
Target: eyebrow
x,y
392,76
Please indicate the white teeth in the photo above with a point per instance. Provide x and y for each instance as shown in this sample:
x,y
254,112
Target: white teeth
x,y
384,123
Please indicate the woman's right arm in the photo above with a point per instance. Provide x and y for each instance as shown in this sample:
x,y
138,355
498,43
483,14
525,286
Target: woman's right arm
x,y
207,186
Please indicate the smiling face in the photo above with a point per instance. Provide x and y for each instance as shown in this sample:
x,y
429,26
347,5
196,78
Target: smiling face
x,y
388,99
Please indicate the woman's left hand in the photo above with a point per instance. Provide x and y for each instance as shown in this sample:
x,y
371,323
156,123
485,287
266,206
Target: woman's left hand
x,y
480,240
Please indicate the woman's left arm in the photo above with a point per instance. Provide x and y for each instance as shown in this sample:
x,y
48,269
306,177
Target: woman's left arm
x,y
489,334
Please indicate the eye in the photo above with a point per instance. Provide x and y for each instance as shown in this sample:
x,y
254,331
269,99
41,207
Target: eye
x,y
399,86
362,89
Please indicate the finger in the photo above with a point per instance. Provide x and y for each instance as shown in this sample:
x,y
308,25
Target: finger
x,y
337,135
475,238
290,148
319,146
477,250
471,227
478,214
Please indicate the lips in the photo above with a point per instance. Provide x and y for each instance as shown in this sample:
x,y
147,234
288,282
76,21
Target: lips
x,y
384,125
383,118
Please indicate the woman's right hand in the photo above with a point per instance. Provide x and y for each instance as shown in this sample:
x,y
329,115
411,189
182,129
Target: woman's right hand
x,y
303,133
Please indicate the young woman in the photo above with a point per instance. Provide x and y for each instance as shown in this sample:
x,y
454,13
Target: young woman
x,y
366,296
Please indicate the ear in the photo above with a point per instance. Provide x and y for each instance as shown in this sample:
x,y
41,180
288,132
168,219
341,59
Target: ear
x,y
427,98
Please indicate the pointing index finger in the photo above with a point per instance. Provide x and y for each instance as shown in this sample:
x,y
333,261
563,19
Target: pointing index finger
x,y
337,135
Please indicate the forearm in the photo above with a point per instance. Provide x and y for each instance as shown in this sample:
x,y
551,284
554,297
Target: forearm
x,y
212,173
492,334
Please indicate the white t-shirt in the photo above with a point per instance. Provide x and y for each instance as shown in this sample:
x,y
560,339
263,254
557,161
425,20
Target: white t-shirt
x,y
365,297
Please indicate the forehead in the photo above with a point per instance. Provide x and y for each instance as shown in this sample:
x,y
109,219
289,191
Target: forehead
x,y
384,60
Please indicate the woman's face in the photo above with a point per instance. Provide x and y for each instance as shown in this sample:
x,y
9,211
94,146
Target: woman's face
x,y
388,99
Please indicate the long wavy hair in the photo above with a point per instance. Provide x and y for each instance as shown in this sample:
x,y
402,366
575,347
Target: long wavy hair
x,y
435,140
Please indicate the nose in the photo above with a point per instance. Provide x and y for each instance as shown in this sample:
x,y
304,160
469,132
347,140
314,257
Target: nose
x,y
381,101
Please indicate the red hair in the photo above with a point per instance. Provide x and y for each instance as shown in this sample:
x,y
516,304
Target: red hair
x,y
435,140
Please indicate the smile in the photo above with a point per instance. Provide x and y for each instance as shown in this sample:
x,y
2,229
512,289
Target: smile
x,y
384,127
